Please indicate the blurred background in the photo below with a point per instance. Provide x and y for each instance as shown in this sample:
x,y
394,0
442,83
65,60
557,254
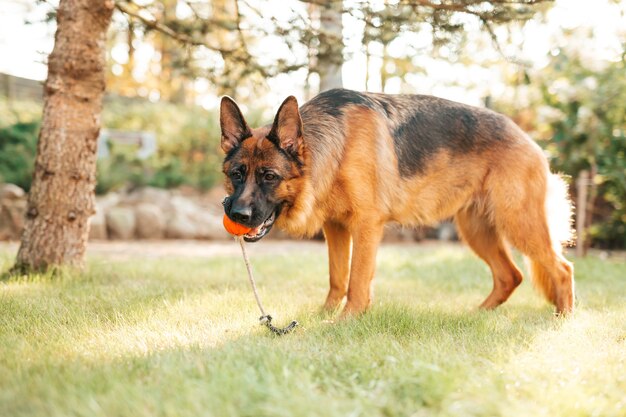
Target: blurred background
x,y
556,68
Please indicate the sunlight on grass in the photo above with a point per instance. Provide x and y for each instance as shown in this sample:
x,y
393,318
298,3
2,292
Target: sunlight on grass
x,y
180,337
576,367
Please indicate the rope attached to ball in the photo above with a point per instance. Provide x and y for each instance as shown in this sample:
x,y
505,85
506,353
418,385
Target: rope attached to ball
x,y
265,319
238,231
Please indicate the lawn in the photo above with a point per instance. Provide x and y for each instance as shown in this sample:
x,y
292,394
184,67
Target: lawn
x,y
179,337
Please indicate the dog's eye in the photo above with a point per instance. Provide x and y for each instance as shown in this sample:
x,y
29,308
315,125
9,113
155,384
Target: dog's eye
x,y
235,176
269,176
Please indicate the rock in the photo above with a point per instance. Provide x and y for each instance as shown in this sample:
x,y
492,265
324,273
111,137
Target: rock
x,y
104,203
210,227
397,233
98,225
98,222
152,213
189,221
180,227
213,199
150,221
11,192
447,232
183,206
121,222
12,210
150,195
12,214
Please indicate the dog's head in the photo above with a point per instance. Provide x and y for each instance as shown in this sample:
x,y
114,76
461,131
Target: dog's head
x,y
261,166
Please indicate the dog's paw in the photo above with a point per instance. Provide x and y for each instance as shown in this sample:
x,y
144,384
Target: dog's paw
x,y
351,311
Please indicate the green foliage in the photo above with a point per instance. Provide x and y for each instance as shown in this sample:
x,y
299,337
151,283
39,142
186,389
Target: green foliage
x,y
19,126
116,339
18,145
18,111
577,112
169,175
120,171
188,145
587,126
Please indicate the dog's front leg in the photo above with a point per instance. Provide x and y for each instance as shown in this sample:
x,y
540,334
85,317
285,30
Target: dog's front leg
x,y
338,241
366,236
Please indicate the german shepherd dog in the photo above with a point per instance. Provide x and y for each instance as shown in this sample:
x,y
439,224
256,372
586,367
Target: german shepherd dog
x,y
349,162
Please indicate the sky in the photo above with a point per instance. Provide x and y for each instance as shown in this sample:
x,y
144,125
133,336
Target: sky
x,y
24,47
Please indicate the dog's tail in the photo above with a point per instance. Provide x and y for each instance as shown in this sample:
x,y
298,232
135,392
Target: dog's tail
x,y
559,211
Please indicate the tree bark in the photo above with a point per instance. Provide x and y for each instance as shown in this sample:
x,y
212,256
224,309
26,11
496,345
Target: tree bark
x,y
330,57
61,199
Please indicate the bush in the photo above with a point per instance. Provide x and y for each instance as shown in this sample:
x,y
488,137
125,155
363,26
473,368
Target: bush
x,y
579,108
18,145
188,145
18,111
591,135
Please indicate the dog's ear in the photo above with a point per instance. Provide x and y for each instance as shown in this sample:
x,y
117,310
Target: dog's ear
x,y
287,127
234,126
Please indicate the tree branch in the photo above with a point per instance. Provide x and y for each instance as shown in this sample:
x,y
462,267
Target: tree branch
x,y
466,8
154,24
496,43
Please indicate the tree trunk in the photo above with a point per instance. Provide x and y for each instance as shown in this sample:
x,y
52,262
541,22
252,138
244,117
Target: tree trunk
x,y
368,57
384,75
229,36
171,79
330,57
61,199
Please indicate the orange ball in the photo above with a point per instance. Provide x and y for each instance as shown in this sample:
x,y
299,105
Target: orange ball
x,y
234,228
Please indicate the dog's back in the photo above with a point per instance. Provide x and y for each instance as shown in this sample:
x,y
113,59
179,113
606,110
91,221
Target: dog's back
x,y
429,156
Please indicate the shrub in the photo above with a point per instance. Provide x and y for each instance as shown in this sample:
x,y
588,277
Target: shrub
x,y
18,145
188,144
580,120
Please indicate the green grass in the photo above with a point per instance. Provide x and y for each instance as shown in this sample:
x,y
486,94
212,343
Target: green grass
x,y
179,337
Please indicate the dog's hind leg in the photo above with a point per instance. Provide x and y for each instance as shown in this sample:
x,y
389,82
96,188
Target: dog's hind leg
x,y
482,236
522,217
338,241
527,230
551,272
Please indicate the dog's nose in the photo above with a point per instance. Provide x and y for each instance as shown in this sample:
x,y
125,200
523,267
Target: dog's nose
x,y
241,214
